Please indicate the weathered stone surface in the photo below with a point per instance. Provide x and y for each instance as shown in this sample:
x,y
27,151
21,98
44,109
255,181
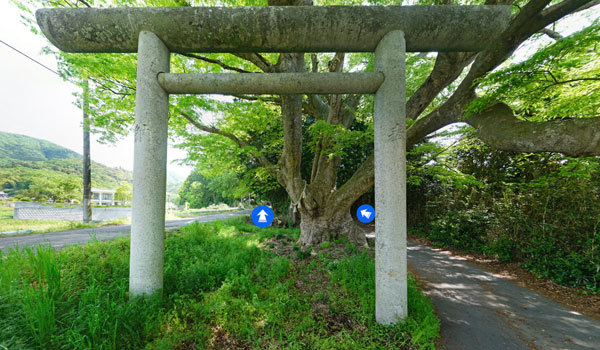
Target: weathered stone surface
x,y
274,29
149,169
271,83
390,181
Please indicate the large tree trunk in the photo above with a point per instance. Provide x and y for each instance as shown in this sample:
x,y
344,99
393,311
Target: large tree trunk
x,y
317,227
324,206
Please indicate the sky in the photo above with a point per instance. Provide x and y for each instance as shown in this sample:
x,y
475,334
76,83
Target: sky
x,y
37,103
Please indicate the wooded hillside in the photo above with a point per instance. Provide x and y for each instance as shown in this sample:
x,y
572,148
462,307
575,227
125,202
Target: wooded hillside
x,y
35,169
21,147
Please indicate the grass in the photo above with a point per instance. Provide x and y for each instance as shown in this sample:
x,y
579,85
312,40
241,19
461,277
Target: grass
x,y
8,224
228,285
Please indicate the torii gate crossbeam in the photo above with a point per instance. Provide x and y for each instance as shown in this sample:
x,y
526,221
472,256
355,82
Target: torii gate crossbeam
x,y
155,32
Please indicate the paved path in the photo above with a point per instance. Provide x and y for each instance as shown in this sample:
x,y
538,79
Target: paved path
x,y
481,311
71,237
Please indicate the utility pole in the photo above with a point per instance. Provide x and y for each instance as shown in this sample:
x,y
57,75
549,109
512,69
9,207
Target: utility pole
x,y
87,173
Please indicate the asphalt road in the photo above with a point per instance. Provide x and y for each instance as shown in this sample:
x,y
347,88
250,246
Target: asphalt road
x,y
72,237
479,310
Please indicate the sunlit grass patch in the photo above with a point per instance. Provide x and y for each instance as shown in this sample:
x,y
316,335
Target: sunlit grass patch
x,y
227,284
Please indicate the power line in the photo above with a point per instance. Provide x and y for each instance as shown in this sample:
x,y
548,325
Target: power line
x,y
32,59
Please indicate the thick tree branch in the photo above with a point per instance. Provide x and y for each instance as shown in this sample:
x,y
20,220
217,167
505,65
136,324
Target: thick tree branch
x,y
447,68
240,143
588,5
498,127
325,168
519,29
529,21
566,7
443,116
314,60
337,62
210,60
349,107
551,33
360,182
364,178
289,175
526,23
258,60
268,99
347,116
213,130
316,106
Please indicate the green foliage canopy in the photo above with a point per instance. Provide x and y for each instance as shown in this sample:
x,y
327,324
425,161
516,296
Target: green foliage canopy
x,y
561,80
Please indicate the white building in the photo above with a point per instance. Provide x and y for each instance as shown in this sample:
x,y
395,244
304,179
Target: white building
x,y
103,197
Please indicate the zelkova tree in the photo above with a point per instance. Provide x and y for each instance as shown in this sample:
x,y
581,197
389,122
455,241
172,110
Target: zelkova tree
x,y
531,106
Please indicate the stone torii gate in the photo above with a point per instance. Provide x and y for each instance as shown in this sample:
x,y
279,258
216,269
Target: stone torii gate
x,y
389,31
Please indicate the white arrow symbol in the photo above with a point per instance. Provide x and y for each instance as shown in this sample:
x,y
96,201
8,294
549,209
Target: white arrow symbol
x,y
262,216
365,213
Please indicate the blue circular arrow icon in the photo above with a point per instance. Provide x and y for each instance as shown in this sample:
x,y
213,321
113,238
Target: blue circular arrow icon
x,y
262,216
365,213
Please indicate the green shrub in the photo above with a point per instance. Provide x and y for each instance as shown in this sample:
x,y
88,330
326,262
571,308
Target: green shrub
x,y
502,247
460,229
542,210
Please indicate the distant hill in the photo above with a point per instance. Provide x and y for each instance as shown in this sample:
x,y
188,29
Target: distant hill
x,y
39,169
21,147
174,182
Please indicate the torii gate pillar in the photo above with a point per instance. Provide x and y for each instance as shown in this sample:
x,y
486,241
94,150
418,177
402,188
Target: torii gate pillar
x,y
390,180
149,168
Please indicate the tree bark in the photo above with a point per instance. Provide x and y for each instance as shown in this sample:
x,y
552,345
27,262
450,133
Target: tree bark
x,y
498,127
333,223
289,174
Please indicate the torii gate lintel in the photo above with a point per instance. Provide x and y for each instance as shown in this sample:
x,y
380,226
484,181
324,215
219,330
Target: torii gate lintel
x,y
381,29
